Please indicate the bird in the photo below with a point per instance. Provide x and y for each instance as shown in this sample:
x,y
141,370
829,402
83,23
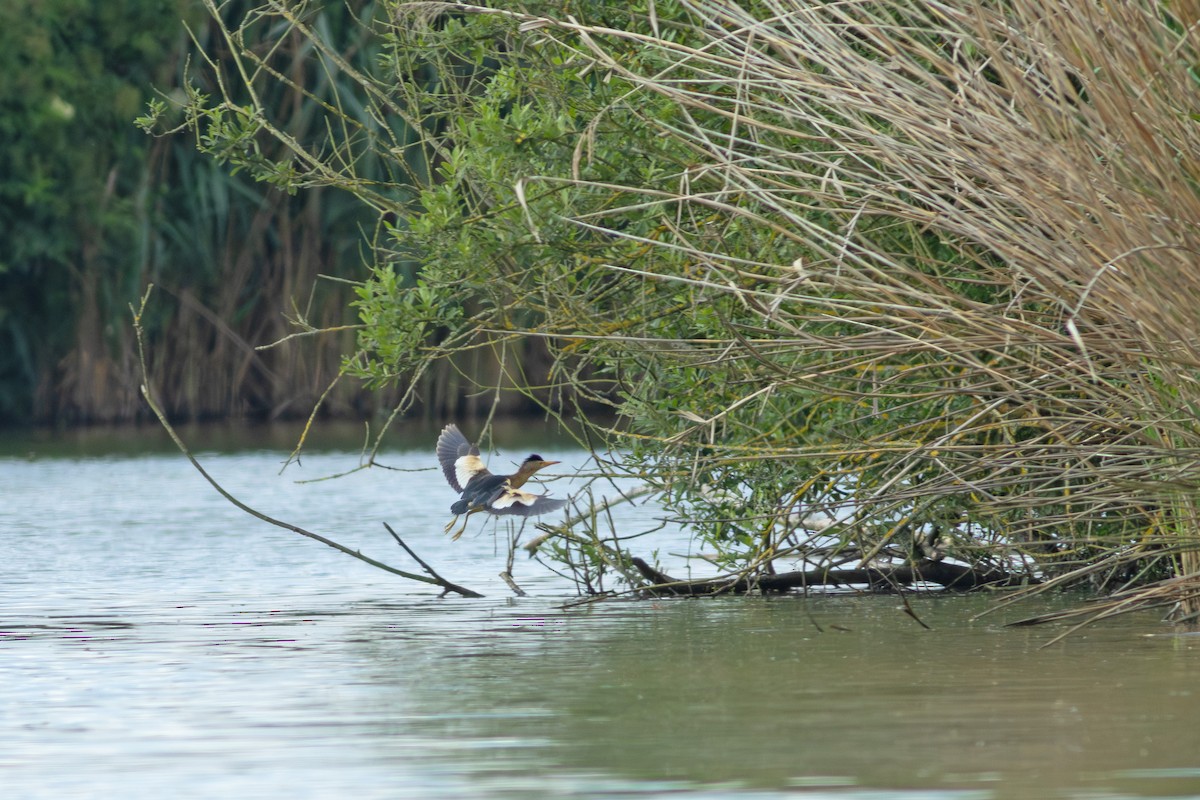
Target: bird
x,y
483,491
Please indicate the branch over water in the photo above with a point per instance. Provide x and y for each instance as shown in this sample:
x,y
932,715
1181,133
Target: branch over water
x,y
433,578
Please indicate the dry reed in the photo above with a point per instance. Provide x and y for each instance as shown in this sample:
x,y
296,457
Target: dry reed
x,y
983,225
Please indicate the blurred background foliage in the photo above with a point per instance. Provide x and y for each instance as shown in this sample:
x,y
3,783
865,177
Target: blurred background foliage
x,y
73,185
92,210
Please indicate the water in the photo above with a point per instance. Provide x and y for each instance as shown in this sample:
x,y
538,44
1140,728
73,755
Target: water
x,y
157,642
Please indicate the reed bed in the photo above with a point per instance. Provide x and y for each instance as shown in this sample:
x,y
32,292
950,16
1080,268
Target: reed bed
x,y
868,283
947,253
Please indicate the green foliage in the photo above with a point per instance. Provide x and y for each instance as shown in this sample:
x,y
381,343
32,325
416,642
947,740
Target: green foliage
x,y
92,209
886,263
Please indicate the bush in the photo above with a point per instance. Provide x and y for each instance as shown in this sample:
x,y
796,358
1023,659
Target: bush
x,y
874,282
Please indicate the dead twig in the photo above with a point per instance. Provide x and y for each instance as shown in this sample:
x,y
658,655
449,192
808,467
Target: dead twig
x,y
446,585
506,575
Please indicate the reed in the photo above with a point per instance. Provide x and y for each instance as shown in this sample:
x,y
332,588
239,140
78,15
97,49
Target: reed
x,y
266,244
874,281
946,255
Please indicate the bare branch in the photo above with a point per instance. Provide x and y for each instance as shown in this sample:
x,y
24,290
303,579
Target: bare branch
x,y
154,406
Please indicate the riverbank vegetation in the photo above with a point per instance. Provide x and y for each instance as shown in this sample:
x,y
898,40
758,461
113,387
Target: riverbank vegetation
x,y
92,210
870,285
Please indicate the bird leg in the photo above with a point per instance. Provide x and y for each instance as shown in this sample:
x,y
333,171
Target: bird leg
x,y
463,529
451,523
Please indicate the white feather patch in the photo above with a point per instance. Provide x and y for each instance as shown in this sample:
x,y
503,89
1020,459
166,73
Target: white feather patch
x,y
467,467
513,497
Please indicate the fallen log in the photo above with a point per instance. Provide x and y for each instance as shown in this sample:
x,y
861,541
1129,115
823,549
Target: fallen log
x,y
881,580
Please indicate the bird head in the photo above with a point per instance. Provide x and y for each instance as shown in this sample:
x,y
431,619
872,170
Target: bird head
x,y
528,467
535,462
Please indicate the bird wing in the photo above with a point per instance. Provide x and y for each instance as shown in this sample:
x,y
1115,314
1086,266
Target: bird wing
x,y
459,458
526,504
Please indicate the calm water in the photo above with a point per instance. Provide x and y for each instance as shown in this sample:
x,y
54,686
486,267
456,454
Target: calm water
x,y
157,642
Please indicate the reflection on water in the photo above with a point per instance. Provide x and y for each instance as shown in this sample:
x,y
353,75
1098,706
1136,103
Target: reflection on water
x,y
154,641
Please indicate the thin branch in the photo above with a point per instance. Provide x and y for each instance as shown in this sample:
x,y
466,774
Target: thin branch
x,y
507,575
445,584
183,448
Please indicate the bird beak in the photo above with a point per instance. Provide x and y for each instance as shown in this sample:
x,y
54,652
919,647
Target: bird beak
x,y
550,463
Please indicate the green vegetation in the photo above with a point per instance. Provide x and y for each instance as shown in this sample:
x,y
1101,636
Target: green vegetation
x,y
868,284
73,171
91,209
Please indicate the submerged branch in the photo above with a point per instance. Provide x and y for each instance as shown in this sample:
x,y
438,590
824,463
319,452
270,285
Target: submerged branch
x,y
445,584
881,580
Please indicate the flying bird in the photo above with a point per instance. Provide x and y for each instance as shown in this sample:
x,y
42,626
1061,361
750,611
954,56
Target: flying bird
x,y
483,491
